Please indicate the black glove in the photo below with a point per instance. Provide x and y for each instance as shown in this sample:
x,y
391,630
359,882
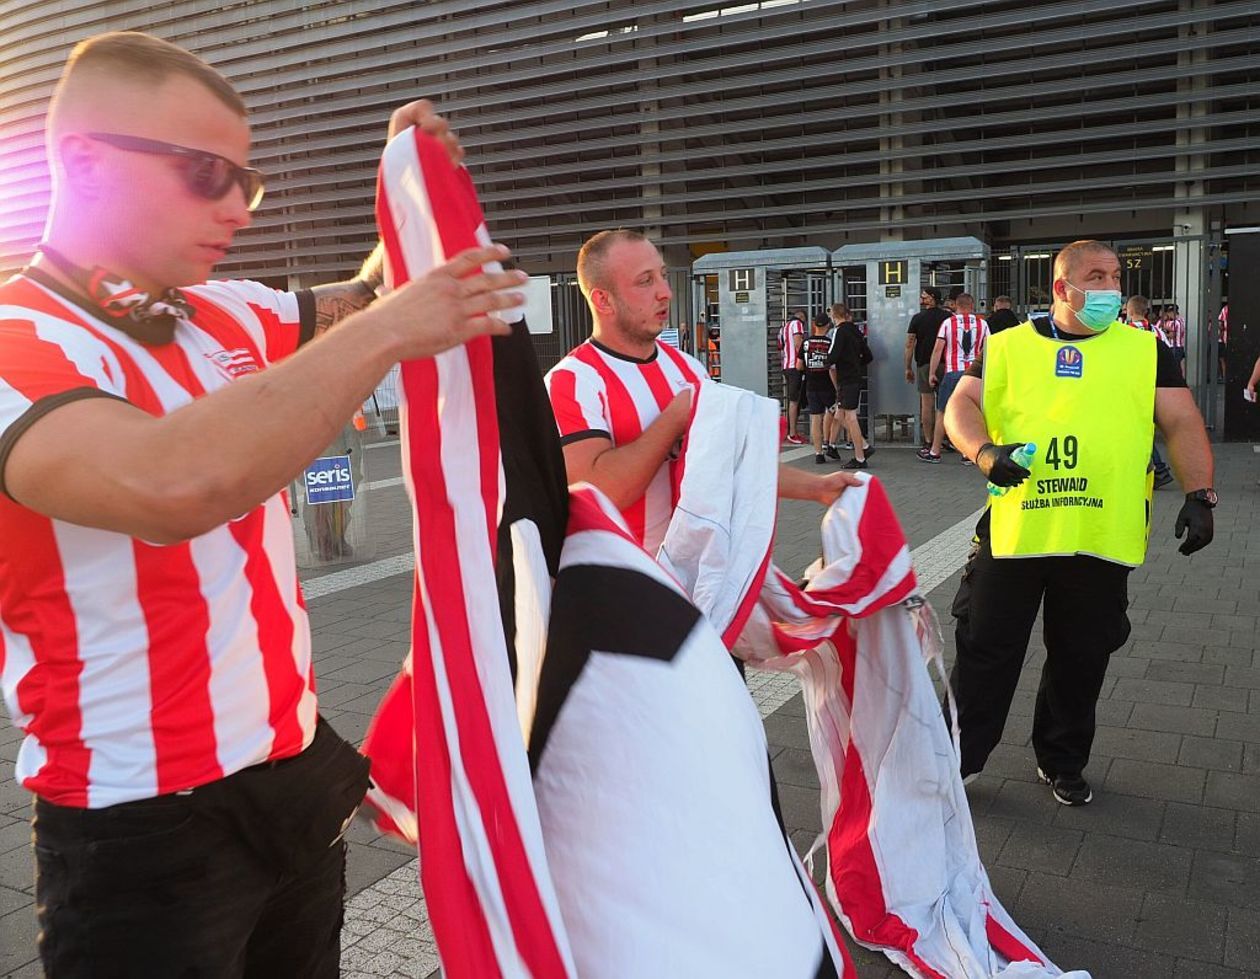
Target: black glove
x,y
1196,516
996,463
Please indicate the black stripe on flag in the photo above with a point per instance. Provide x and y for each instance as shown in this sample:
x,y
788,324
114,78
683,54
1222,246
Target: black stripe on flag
x,y
612,610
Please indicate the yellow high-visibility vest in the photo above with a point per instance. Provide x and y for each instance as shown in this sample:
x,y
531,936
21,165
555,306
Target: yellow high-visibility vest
x,y
1089,405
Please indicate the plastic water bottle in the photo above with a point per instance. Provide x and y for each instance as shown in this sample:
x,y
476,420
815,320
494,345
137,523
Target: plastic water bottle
x,y
1022,457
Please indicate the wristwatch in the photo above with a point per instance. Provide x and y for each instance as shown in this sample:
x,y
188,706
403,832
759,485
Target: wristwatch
x,y
1207,497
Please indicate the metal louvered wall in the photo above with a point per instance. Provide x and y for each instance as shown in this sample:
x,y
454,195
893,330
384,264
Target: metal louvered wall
x,y
763,124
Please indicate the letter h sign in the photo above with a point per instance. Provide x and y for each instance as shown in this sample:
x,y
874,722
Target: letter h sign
x,y
892,273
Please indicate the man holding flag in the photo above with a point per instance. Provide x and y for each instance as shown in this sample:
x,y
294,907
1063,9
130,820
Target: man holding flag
x,y
154,644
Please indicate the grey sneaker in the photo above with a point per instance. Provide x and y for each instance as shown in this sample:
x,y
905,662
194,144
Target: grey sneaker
x,y
1068,790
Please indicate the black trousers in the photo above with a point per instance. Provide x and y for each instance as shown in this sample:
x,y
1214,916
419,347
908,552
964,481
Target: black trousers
x,y
1085,603
159,887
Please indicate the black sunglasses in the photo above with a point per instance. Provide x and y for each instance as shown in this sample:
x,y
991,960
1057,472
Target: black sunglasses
x,y
207,175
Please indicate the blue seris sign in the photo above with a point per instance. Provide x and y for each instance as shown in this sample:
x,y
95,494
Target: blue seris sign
x,y
329,480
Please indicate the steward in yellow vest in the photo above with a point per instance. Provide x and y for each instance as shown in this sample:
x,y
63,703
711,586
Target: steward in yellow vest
x,y
1063,531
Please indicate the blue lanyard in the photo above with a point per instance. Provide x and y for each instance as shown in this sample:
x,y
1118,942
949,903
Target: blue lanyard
x,y
1053,329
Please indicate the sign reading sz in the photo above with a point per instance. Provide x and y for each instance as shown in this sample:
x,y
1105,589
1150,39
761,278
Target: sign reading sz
x,y
329,480
1136,258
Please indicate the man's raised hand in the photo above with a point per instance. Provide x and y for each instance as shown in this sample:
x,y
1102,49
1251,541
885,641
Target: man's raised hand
x,y
425,117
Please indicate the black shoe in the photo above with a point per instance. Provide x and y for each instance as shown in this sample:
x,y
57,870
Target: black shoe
x,y
868,451
855,463
846,444
925,455
820,459
831,452
1068,790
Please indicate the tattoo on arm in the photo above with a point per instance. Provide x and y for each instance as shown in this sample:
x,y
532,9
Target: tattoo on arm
x,y
335,302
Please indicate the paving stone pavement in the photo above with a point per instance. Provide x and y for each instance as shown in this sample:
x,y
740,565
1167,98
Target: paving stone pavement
x,y
1158,878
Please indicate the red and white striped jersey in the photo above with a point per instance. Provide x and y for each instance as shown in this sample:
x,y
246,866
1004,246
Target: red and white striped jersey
x,y
788,333
1175,331
1223,319
596,392
1150,327
959,351
134,669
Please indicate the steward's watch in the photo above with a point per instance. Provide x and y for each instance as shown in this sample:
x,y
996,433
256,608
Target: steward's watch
x,y
1205,496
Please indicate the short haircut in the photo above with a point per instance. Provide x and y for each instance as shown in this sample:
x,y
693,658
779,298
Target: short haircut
x,y
799,314
934,292
821,322
135,56
1138,305
1070,256
965,299
1002,299
839,309
592,259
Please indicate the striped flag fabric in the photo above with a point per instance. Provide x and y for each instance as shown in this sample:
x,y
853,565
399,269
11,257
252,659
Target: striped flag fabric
x,y
451,714
540,880
574,751
903,869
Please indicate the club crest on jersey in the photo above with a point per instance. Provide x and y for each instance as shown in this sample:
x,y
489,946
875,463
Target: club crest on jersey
x,y
1069,362
233,363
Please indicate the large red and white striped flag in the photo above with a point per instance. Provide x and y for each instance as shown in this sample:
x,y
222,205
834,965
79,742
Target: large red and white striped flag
x,y
638,868
592,794
482,864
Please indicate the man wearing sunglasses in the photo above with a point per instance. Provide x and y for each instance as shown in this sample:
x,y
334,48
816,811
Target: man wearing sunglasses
x,y
188,803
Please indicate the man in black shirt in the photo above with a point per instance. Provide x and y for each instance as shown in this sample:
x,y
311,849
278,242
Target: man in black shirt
x,y
920,339
846,369
820,392
1003,317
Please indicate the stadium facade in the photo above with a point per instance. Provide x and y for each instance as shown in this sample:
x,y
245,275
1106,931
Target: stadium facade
x,y
722,128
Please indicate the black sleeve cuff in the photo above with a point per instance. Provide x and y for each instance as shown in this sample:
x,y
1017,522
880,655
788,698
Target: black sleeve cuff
x,y
34,413
589,433
306,315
